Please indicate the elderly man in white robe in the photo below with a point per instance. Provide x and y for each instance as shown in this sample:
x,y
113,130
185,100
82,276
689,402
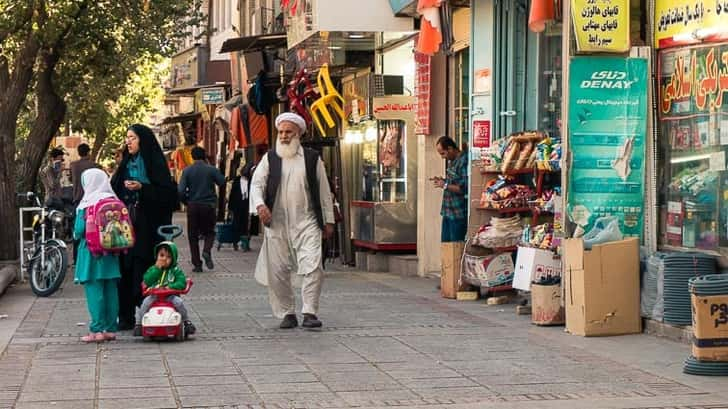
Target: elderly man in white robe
x,y
291,195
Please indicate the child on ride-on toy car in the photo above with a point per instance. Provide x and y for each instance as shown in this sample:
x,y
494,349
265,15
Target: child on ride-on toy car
x,y
165,273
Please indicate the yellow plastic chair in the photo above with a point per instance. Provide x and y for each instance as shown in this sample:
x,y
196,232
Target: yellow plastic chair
x,y
330,97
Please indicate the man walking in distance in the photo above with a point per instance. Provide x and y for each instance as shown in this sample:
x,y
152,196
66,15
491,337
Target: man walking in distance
x,y
77,168
455,191
197,191
290,193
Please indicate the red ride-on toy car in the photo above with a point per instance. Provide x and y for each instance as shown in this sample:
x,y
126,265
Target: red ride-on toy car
x,y
162,320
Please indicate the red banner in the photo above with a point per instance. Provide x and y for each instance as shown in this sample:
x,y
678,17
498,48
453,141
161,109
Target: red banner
x,y
423,93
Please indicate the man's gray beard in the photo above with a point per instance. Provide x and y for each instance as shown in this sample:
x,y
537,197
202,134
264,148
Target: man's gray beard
x,y
288,151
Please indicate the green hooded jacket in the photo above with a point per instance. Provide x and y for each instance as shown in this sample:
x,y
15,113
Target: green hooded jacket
x,y
172,277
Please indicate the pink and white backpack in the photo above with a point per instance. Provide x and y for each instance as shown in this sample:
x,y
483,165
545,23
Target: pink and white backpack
x,y
109,229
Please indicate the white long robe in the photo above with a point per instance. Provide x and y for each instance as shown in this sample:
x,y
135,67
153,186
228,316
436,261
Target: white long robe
x,y
292,243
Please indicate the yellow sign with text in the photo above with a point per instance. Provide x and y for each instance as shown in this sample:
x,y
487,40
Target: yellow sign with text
x,y
683,22
601,25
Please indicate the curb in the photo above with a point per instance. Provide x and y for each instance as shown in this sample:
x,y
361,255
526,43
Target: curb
x,y
8,274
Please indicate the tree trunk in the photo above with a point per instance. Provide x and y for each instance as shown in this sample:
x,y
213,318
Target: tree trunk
x,y
11,100
101,135
51,111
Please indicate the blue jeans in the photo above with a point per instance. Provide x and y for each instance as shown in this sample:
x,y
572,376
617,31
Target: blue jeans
x,y
453,229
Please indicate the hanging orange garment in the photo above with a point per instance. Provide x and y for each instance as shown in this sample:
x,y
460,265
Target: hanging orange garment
x,y
541,12
247,128
430,37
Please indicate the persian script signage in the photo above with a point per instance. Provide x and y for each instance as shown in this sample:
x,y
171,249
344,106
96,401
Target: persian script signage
x,y
684,22
601,25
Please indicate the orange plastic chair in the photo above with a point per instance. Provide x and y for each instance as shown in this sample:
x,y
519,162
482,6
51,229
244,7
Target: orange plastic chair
x,y
330,98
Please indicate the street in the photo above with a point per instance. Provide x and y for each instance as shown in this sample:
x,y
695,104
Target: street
x,y
387,341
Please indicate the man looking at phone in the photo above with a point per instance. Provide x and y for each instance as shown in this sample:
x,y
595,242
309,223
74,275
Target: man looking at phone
x,y
455,191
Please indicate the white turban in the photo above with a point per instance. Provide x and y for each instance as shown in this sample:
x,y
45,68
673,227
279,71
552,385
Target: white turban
x,y
293,118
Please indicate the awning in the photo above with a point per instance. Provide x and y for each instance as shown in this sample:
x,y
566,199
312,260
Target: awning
x,y
254,43
180,118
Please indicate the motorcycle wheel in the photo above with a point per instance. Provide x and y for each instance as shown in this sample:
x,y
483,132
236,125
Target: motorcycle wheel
x,y
45,279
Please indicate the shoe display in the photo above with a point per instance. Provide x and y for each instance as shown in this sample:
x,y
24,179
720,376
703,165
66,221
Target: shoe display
x,y
311,321
289,321
208,260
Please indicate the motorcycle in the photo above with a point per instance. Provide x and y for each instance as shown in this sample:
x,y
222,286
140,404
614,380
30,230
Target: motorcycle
x,y
47,259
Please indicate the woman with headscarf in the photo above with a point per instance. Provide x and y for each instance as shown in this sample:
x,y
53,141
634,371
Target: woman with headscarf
x,y
238,205
143,182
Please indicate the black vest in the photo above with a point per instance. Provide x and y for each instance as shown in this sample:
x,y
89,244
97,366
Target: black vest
x,y
275,164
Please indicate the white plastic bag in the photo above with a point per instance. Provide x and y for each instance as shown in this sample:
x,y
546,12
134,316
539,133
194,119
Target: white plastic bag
x,y
605,230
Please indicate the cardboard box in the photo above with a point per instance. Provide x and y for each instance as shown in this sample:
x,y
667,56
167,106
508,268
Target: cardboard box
x,y
546,308
452,254
602,288
533,264
710,327
489,271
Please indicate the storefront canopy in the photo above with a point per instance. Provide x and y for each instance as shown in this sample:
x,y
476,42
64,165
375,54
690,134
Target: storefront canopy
x,y
253,43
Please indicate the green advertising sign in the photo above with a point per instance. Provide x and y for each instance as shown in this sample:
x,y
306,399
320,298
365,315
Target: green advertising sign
x,y
607,129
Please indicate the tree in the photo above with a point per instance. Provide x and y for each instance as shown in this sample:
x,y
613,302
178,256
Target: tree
x,y
52,50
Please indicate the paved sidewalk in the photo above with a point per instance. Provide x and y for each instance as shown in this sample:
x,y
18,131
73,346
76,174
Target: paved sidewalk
x,y
387,341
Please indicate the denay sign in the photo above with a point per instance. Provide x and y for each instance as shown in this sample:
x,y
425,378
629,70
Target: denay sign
x,y
607,128
608,80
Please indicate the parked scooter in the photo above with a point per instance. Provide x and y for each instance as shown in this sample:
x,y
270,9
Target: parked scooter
x,y
47,260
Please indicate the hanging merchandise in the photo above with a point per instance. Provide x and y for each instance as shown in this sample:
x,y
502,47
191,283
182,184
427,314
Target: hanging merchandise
x,y
430,37
330,98
247,128
260,97
300,94
607,129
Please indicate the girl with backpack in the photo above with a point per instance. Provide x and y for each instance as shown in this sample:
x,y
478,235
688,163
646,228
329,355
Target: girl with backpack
x,y
99,274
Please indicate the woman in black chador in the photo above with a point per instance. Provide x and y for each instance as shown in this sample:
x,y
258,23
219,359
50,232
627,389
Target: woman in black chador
x,y
238,205
143,182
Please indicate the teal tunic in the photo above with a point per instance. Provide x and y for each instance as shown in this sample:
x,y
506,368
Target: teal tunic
x,y
88,267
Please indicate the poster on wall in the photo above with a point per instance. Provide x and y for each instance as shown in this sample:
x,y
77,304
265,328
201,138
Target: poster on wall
x,y
685,22
601,25
607,128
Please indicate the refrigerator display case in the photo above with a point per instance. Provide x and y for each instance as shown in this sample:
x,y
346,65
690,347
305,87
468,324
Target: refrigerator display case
x,y
693,139
384,210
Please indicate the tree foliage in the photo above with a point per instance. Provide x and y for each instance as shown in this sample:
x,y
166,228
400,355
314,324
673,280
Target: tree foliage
x,y
53,52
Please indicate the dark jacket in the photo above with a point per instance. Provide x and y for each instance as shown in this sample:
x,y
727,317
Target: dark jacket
x,y
197,184
275,166
77,169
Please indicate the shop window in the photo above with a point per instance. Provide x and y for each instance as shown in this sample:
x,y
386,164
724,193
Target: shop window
x,y
461,98
528,73
693,135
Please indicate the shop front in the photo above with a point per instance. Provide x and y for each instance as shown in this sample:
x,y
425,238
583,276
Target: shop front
x,y
693,127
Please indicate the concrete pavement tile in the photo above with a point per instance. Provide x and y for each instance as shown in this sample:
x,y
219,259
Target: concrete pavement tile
x,y
61,386
43,396
273,369
306,387
424,374
196,371
436,383
125,382
130,393
357,397
363,386
230,389
208,380
281,377
450,393
139,403
200,401
343,368
57,404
